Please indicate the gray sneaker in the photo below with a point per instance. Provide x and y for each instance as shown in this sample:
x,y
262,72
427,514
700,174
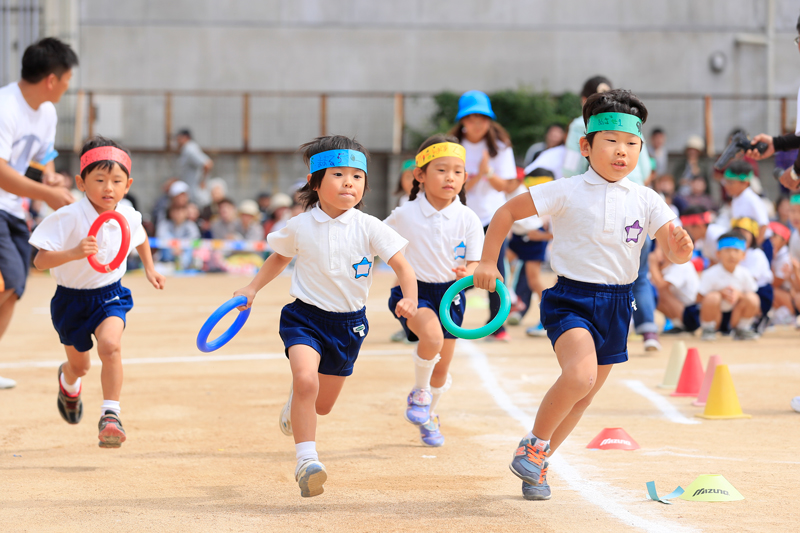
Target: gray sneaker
x,y
741,334
540,491
529,462
709,334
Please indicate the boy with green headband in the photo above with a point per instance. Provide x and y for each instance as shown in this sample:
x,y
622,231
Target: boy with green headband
x,y
599,223
745,203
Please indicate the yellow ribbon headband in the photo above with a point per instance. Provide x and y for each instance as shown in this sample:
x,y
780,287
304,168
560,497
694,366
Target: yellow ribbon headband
x,y
435,151
747,224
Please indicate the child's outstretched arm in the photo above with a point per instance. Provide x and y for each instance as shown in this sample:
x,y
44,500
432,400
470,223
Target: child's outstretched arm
x,y
517,208
676,242
156,279
273,266
47,259
407,307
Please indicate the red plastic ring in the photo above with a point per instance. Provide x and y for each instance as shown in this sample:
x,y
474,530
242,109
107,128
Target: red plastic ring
x,y
123,249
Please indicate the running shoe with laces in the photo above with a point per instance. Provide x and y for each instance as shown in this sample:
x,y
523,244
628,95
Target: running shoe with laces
x,y
536,331
310,477
429,432
69,406
111,435
419,405
741,334
529,461
540,491
708,334
285,419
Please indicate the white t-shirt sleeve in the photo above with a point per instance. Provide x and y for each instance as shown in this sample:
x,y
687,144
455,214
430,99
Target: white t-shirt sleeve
x,y
549,198
383,240
140,235
6,135
284,240
475,238
504,164
48,234
706,282
748,280
660,213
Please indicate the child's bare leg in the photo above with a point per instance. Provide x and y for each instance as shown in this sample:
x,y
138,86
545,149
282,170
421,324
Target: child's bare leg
x,y
746,308
439,377
782,299
574,416
710,310
578,360
329,389
304,361
533,270
669,304
77,365
109,348
425,325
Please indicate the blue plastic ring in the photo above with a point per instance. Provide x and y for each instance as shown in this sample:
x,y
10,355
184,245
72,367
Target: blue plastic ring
x,y
203,343
483,331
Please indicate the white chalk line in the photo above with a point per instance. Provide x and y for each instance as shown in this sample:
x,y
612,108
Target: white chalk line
x,y
596,492
189,359
667,409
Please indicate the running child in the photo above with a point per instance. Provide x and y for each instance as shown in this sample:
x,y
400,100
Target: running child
x,y
322,330
87,302
600,220
727,293
445,241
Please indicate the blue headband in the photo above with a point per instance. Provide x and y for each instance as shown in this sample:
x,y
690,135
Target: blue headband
x,y
731,242
338,158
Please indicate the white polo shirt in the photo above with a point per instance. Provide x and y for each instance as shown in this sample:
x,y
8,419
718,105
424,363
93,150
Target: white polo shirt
x,y
335,256
483,198
684,282
755,260
599,227
782,267
438,241
716,278
749,204
526,225
65,229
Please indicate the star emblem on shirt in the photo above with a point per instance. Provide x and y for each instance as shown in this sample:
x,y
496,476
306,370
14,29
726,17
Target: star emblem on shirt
x,y
461,251
633,231
362,268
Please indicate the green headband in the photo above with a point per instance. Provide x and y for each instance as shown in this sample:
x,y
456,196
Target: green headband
x,y
794,199
408,164
729,175
615,122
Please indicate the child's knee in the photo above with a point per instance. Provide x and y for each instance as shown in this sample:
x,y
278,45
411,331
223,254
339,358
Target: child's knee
x,y
712,298
81,368
323,410
581,381
306,384
109,348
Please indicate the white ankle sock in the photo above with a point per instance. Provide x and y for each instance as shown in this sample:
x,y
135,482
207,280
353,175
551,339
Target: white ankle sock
x,y
109,405
744,323
71,389
436,392
305,451
709,325
540,444
423,369
678,323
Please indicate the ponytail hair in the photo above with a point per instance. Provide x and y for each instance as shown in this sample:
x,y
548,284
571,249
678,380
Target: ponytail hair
x,y
430,141
496,134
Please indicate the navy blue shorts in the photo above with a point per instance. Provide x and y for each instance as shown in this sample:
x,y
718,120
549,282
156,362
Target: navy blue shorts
x,y
528,250
603,310
77,313
430,296
691,317
15,253
337,337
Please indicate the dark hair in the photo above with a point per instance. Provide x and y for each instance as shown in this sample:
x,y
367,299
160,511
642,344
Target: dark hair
x,y
798,25
226,200
614,101
96,142
48,56
308,193
430,141
591,85
694,210
496,133
541,172
657,130
185,132
740,166
733,234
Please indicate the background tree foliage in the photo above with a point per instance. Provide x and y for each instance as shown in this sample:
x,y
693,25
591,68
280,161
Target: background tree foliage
x,y
524,113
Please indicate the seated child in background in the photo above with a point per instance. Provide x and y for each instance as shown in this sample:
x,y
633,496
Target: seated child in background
x,y
755,260
177,226
248,226
224,227
786,281
676,286
727,292
745,203
88,302
698,222
528,243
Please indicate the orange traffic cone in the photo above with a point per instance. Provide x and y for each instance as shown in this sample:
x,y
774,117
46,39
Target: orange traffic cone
x,y
673,371
722,402
713,361
691,376
613,439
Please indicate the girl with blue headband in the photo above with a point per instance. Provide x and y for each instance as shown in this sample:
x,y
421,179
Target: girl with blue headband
x,y
322,330
599,221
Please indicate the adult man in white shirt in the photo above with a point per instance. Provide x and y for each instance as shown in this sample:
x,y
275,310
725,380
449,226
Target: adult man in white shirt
x,y
27,134
193,167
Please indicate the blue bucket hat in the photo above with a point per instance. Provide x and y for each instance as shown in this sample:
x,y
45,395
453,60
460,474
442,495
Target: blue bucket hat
x,y
474,103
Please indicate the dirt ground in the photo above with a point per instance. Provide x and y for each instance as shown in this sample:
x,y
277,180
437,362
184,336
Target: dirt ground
x,y
204,452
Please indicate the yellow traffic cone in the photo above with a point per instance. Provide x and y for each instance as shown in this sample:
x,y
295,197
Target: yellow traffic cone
x,y
674,366
722,401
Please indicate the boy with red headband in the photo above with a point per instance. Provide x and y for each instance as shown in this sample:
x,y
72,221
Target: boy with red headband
x,y
87,301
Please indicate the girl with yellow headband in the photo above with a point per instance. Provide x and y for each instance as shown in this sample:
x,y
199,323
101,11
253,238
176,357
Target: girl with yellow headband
x,y
756,262
445,239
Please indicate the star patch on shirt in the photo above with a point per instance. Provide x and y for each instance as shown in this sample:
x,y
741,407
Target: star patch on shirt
x,y
362,268
632,232
461,251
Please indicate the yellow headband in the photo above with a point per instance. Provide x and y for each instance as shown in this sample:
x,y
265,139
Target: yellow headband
x,y
747,224
435,151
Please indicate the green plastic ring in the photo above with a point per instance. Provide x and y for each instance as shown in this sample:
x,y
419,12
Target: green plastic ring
x,y
483,331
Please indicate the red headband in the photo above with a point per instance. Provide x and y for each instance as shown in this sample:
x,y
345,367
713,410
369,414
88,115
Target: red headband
x,y
780,230
106,153
700,218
